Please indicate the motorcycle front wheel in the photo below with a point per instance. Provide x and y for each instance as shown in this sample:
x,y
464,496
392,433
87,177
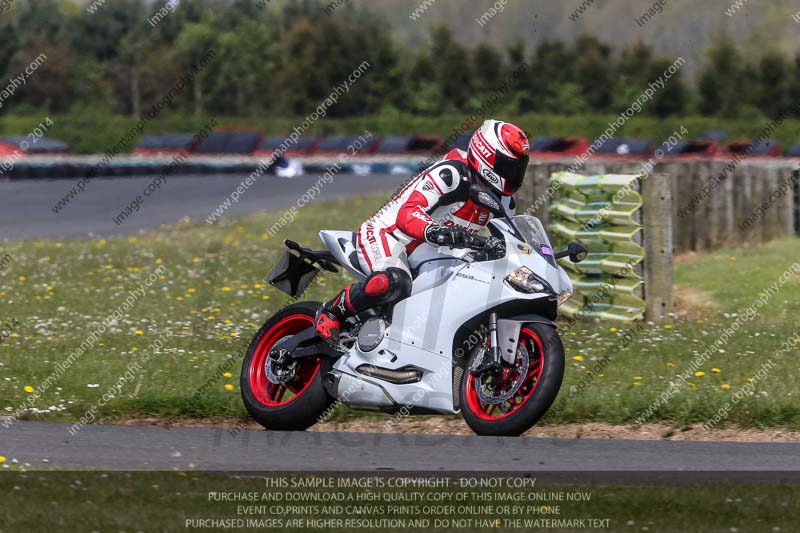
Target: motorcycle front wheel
x,y
297,403
537,386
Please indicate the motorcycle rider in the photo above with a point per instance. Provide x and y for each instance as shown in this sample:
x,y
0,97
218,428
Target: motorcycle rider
x,y
434,208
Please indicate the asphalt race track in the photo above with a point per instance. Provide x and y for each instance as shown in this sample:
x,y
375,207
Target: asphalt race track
x,y
26,205
50,445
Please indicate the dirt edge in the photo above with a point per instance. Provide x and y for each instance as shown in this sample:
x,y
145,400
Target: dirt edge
x,y
442,425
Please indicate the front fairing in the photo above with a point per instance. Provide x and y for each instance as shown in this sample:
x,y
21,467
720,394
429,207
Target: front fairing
x,y
532,249
448,294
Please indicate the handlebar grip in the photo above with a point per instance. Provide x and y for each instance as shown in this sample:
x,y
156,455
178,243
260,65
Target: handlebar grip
x,y
477,242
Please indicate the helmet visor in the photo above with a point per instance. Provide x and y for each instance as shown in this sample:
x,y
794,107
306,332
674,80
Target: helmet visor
x,y
511,169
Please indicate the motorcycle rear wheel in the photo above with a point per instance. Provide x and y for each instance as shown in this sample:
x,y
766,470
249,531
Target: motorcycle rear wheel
x,y
534,397
300,402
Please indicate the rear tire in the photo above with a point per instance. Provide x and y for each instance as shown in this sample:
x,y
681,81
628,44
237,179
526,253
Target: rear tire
x,y
301,402
537,393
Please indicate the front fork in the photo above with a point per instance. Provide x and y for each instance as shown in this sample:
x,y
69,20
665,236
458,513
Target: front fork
x,y
492,363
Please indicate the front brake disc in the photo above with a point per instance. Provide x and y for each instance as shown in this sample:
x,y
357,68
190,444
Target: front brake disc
x,y
493,389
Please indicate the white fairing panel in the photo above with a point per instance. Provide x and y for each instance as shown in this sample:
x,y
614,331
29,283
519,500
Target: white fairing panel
x,y
340,244
434,391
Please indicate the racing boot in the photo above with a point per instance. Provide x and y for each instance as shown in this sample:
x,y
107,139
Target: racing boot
x,y
332,314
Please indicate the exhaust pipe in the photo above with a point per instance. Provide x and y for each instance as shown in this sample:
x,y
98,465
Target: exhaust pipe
x,y
401,376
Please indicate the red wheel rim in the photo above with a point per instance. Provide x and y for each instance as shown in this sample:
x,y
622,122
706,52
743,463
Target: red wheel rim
x,y
268,393
533,344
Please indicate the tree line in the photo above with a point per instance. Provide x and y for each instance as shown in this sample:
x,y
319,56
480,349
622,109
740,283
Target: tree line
x,y
283,59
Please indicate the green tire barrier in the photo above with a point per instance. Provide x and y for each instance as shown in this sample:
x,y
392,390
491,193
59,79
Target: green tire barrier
x,y
602,213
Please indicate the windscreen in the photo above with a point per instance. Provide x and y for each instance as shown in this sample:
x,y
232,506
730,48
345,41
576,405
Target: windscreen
x,y
533,233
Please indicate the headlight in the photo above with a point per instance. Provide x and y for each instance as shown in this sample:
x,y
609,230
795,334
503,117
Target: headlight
x,y
524,280
563,296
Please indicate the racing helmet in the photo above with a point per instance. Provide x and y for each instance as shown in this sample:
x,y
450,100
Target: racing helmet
x,y
498,156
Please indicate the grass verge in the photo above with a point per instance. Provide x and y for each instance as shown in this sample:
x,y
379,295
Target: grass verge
x,y
171,501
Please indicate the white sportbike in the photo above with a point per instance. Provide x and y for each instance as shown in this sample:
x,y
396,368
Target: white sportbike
x,y
476,336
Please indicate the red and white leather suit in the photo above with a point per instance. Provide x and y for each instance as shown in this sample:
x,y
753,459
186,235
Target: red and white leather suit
x,y
439,195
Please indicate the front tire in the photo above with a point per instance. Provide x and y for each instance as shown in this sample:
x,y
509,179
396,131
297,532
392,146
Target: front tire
x,y
299,403
539,389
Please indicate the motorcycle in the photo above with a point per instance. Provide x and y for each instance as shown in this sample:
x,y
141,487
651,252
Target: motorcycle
x,y
477,335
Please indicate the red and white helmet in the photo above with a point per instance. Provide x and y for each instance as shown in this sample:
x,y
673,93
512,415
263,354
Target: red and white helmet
x,y
498,153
